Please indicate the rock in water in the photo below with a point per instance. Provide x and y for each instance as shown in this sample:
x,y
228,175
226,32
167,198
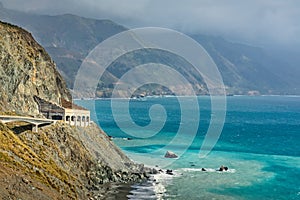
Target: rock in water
x,y
169,171
170,154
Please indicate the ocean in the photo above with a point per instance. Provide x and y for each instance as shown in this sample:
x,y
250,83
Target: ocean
x,y
259,143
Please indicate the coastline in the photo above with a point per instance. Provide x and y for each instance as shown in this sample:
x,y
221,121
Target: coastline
x,y
154,187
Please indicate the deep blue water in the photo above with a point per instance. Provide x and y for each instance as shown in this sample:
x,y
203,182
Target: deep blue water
x,y
260,141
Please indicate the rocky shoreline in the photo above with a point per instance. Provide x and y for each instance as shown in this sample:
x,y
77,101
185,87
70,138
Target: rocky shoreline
x,y
64,161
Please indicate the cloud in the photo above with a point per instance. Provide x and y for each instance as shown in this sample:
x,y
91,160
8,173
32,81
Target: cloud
x,y
253,21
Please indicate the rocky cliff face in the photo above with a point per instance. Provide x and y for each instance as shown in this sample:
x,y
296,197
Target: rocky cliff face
x,y
26,70
59,161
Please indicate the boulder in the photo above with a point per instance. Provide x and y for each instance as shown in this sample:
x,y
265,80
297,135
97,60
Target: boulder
x,y
169,171
222,168
170,154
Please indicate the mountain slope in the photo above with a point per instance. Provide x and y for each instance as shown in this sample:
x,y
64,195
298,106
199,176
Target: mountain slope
x,y
245,68
67,38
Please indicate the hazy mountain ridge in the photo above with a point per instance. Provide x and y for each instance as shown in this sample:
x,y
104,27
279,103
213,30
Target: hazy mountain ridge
x,y
245,67
69,38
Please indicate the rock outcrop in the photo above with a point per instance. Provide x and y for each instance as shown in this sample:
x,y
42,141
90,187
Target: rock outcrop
x,y
63,161
170,154
26,70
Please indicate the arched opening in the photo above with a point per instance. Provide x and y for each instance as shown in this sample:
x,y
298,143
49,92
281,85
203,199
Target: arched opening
x,y
67,118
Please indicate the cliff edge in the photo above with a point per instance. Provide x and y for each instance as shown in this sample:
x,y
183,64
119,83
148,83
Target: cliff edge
x,y
26,70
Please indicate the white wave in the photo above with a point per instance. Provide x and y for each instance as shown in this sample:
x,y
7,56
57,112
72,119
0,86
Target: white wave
x,y
207,170
161,180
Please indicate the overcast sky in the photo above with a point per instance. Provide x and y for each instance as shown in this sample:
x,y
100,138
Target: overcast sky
x,y
258,22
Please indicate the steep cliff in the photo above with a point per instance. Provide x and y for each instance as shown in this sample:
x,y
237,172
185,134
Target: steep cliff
x,y
26,70
62,162
59,161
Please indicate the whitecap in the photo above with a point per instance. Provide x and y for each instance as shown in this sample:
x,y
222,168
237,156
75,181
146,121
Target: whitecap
x,y
207,170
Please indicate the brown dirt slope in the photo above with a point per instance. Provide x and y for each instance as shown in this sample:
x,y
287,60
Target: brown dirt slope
x,y
61,161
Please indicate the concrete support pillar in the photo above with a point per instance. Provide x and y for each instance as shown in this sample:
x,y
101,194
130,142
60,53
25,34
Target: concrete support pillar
x,y
69,121
35,128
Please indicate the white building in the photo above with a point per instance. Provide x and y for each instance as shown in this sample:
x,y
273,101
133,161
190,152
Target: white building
x,y
69,112
75,115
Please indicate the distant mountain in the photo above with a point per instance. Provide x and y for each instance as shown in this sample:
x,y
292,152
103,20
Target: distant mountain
x,y
69,38
245,68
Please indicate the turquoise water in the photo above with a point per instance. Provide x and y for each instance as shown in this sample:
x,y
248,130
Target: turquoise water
x,y
260,143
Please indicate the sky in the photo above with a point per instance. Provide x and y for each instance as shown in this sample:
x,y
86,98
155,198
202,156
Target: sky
x,y
256,22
